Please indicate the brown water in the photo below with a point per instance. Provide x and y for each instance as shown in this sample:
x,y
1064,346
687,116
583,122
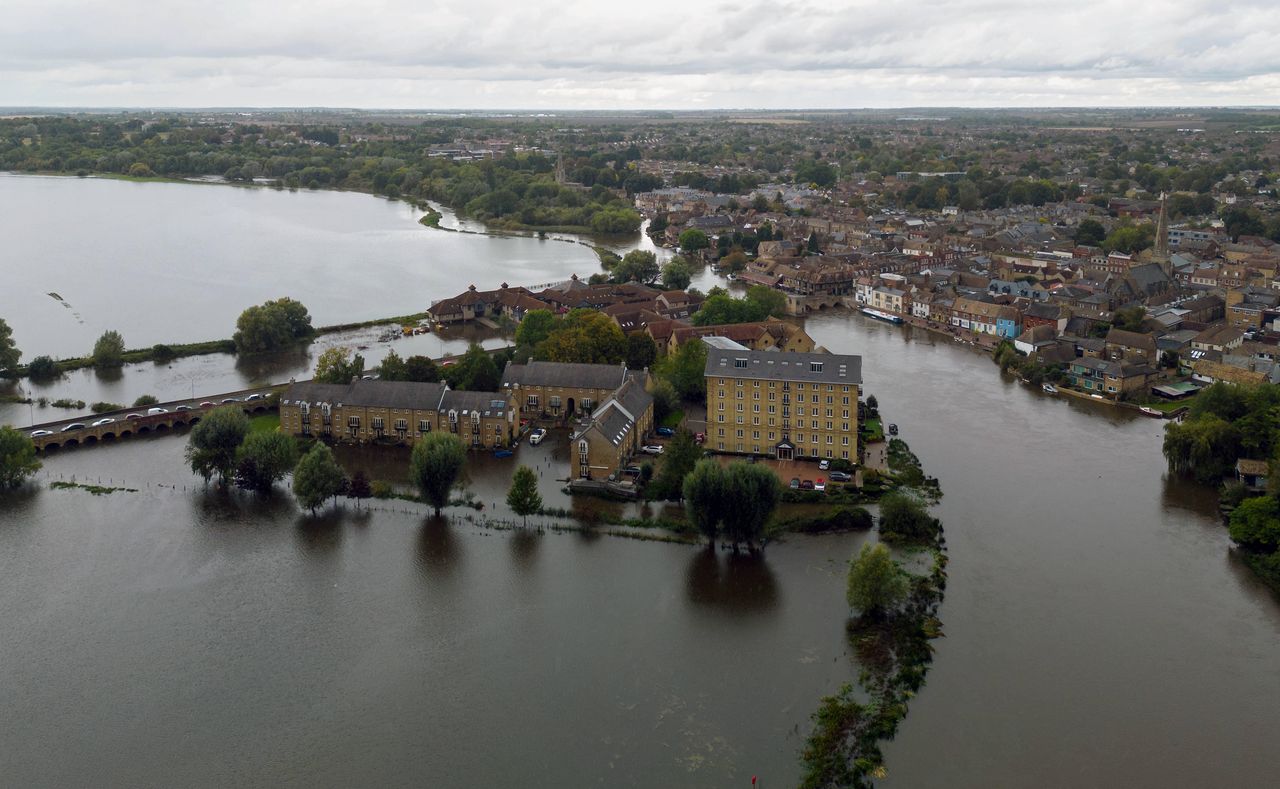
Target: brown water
x,y
1098,631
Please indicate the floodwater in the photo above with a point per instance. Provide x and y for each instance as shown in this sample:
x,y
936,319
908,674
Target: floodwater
x,y
1098,631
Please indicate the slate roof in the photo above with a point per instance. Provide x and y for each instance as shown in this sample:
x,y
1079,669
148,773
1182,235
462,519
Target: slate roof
x,y
404,395
785,366
564,374
487,403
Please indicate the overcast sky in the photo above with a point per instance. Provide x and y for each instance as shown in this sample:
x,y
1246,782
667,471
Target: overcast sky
x,y
602,54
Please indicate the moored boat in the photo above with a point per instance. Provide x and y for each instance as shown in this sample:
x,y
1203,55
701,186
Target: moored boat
x,y
884,316
1049,388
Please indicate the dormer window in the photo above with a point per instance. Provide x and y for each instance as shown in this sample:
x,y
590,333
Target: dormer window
x,y
740,363
815,367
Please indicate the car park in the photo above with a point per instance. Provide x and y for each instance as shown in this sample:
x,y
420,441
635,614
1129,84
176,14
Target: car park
x,y
665,431
651,449
73,426
841,476
824,464
41,433
104,421
537,435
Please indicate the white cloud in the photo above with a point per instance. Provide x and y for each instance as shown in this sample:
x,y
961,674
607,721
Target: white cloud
x,y
662,54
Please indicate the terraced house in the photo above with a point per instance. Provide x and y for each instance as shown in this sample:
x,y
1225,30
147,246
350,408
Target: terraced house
x,y
607,441
559,390
396,412
784,405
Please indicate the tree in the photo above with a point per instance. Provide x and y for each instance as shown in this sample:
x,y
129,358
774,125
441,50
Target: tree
x,y
523,497
704,492
263,459
317,477
1130,318
587,336
272,325
17,457
685,369
535,327
476,371
43,368
9,353
678,461
108,351
434,465
393,368
1255,524
642,352
873,406
693,240
337,366
145,400
359,487
677,273
421,369
876,584
904,518
1130,239
213,442
637,266
760,303
734,262
752,493
1090,232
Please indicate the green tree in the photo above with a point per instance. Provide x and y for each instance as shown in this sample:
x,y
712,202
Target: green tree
x,y
108,351
587,336
317,477
272,325
17,457
476,371
1130,239
434,466
684,370
904,518
642,352
693,240
393,368
1130,318
876,585
704,493
523,497
43,368
359,487
421,369
734,262
263,459
637,266
1255,524
9,353
1205,446
678,461
337,366
1090,232
752,494
213,442
535,327
677,273
145,400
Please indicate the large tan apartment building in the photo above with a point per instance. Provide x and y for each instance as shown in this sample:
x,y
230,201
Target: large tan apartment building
x,y
780,404
604,444
396,412
562,389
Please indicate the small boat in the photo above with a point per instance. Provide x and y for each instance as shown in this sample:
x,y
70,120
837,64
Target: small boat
x,y
884,316
1149,411
502,453
1049,388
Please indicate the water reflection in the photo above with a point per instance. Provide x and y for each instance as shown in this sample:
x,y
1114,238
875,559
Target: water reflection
x,y
108,375
738,583
274,366
438,548
524,547
1180,493
320,534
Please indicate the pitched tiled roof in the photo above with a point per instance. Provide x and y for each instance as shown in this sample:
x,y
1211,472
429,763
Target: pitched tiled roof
x,y
564,374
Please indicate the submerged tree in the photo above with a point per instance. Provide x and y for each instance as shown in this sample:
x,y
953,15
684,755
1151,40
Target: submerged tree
x,y
434,465
263,459
108,351
317,477
876,585
523,497
213,442
17,457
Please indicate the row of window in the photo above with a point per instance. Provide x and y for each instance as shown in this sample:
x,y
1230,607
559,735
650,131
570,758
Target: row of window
x,y
786,398
757,449
814,424
772,435
755,409
786,385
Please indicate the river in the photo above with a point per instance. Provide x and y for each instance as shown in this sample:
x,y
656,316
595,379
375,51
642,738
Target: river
x,y
1098,631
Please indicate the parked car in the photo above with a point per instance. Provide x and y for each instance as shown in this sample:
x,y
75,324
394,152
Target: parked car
x,y
134,416
651,449
824,464
73,426
208,404
254,396
893,429
631,471
700,438
819,485
665,431
806,485
537,435
841,476
104,421
230,400
157,411
39,433
795,483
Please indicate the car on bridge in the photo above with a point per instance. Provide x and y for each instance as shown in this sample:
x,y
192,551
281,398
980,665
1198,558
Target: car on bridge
x,y
157,411
41,433
183,407
73,426
104,421
256,396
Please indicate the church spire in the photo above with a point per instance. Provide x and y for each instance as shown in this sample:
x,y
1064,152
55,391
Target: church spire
x,y
1161,252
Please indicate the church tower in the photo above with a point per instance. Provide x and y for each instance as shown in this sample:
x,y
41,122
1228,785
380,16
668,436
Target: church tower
x,y
1160,255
